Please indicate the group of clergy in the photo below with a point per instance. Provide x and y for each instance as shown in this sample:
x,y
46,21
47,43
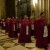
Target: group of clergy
x,y
25,28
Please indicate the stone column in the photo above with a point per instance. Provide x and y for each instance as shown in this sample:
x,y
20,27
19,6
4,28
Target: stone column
x,y
10,8
16,1
2,9
36,10
32,10
42,5
39,7
48,12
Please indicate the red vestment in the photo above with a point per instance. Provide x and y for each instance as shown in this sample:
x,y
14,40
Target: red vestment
x,y
13,28
31,27
24,36
39,32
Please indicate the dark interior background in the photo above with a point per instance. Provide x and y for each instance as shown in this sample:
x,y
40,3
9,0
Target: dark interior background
x,y
10,8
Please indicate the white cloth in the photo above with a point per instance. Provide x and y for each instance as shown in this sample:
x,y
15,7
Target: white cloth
x,y
19,25
3,23
14,26
45,31
32,26
27,30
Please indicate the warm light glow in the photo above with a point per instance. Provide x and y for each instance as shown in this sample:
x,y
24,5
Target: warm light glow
x,y
34,2
19,0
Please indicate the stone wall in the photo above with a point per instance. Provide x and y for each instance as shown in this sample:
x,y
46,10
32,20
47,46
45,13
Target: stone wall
x,y
41,6
2,9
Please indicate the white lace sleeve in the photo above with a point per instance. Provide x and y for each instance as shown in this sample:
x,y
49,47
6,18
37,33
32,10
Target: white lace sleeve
x,y
27,30
32,26
14,27
4,23
45,31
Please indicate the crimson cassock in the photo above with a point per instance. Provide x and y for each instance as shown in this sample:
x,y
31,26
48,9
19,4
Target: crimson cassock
x,y
48,33
18,25
13,28
7,25
31,27
24,36
40,33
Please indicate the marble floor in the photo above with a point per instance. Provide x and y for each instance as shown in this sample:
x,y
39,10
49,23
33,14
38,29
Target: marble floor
x,y
7,43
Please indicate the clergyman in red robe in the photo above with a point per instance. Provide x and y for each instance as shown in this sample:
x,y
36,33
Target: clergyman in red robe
x,y
31,26
41,32
7,25
13,28
24,36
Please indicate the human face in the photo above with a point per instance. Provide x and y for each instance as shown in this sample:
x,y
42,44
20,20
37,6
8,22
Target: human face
x,y
43,15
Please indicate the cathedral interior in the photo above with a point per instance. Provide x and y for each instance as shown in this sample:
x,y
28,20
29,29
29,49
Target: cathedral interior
x,y
18,8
